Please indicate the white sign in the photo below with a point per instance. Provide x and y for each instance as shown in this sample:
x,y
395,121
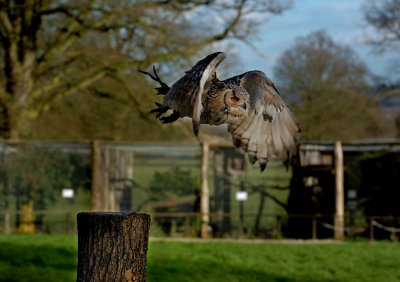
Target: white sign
x,y
241,196
352,194
67,193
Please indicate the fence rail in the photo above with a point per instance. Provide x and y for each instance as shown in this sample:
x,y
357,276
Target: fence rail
x,y
49,221
188,224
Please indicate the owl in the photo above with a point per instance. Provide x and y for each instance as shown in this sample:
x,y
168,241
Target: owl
x,y
259,121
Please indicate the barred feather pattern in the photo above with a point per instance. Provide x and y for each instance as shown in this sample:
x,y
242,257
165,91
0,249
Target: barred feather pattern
x,y
270,130
260,122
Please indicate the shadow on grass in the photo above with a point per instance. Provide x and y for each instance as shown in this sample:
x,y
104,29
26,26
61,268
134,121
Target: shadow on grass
x,y
23,263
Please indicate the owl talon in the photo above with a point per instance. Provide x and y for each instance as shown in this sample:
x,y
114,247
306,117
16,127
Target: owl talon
x,y
160,110
259,121
164,88
171,118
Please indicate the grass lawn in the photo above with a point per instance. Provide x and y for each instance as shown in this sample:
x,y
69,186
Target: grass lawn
x,y
38,258
172,261
53,258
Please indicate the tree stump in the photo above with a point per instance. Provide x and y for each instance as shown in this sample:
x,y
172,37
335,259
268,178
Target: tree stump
x,y
112,246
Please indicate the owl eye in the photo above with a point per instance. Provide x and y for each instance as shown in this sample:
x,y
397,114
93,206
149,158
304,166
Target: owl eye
x,y
234,99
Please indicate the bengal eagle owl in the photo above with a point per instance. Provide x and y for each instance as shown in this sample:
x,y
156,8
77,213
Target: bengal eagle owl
x,y
257,117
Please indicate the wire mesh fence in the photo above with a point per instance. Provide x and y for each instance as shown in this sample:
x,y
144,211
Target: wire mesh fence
x,y
43,185
187,225
44,178
59,177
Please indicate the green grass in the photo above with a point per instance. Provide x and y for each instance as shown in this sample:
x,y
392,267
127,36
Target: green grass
x,y
38,258
274,262
53,258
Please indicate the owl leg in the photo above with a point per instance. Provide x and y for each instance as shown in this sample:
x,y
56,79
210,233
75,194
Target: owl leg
x,y
160,110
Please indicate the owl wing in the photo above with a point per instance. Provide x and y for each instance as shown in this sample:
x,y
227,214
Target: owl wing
x,y
270,129
185,95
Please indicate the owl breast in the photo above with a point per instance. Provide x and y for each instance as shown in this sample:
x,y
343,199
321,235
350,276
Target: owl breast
x,y
235,113
224,105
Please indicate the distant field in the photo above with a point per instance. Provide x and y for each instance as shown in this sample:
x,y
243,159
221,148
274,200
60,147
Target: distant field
x,y
53,258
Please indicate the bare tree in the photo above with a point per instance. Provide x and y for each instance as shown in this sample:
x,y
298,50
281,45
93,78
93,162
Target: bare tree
x,y
316,62
52,49
384,16
329,85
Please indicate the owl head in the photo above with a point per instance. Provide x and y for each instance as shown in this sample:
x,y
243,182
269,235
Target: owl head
x,y
236,102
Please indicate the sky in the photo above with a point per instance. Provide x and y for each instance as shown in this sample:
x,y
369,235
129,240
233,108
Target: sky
x,y
341,19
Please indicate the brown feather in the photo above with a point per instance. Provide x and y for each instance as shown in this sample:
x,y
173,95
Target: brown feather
x,y
271,129
258,119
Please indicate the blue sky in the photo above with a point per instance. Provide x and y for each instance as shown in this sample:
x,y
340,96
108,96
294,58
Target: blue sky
x,y
341,19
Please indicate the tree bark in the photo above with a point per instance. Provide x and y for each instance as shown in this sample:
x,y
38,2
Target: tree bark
x,y
112,246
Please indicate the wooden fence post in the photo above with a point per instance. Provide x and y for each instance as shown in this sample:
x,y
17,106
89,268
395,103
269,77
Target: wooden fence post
x,y
205,195
339,188
112,246
97,188
7,228
371,229
314,228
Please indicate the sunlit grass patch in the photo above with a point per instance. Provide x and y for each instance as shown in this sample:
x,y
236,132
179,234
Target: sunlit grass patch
x,y
53,258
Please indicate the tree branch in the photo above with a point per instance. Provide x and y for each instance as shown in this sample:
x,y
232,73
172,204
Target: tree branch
x,y
62,10
69,88
5,22
275,199
132,98
231,26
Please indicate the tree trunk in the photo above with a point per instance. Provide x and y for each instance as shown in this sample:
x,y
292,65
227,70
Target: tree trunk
x,y
112,246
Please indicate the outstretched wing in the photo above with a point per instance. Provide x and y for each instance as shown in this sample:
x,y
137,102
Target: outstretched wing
x,y
185,95
270,129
